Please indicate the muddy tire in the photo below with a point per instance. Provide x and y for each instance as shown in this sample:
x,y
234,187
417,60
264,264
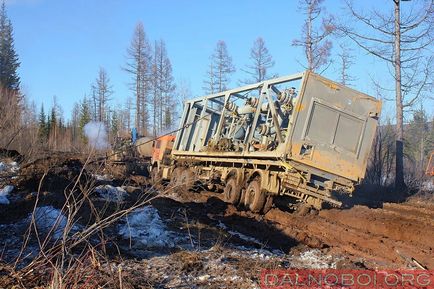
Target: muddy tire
x,y
232,192
255,198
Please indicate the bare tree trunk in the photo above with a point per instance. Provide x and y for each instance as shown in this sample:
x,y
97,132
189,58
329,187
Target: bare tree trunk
x,y
399,161
309,55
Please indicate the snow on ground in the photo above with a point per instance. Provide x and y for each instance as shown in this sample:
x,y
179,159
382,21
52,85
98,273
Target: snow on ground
x,y
102,177
146,229
239,235
49,219
4,193
313,259
11,167
110,193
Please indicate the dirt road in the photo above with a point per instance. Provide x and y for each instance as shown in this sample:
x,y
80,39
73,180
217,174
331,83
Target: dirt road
x,y
387,237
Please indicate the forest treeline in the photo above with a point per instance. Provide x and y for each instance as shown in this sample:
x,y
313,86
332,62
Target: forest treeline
x,y
401,37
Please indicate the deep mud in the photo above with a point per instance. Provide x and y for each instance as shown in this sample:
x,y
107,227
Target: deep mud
x,y
387,237
207,242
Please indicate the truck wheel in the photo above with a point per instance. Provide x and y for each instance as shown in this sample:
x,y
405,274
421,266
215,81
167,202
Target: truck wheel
x,y
255,198
232,191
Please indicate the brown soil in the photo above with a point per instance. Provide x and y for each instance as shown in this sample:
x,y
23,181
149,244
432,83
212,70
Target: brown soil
x,y
391,236
387,237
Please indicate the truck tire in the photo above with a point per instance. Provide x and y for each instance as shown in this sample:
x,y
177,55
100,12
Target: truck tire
x,y
232,191
255,198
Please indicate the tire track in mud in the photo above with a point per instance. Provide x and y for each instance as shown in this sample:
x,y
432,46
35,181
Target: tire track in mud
x,y
373,234
385,237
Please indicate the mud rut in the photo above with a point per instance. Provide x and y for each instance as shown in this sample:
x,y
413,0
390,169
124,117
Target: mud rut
x,y
387,237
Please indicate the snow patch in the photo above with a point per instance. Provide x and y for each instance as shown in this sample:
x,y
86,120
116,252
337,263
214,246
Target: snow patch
x,y
102,177
14,167
146,229
4,193
50,219
11,167
314,259
239,235
110,193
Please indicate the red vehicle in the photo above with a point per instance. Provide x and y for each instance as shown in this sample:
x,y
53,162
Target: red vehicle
x,y
162,148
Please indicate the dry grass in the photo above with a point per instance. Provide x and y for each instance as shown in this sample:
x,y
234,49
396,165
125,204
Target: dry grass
x,y
74,260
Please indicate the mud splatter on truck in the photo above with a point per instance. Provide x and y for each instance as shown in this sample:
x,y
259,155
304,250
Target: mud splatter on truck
x,y
301,136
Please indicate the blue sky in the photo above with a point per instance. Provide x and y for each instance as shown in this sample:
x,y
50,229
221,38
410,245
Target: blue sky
x,y
62,44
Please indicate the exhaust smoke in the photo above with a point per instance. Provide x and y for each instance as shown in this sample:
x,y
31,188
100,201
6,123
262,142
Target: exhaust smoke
x,y
96,134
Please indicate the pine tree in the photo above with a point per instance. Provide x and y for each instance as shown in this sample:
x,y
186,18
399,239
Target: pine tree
x,y
85,116
419,143
75,117
42,123
114,123
8,57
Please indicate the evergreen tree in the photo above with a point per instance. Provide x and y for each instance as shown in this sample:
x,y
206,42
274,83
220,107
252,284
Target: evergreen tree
x,y
42,123
8,57
85,116
114,123
419,143
53,119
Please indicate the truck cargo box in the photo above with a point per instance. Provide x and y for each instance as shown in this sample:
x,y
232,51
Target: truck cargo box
x,y
302,122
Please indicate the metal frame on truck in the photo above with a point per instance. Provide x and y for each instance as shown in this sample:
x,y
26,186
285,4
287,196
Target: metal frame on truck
x,y
301,135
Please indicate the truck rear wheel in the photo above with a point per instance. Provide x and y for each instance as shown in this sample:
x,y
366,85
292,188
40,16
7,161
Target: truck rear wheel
x,y
232,191
255,198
